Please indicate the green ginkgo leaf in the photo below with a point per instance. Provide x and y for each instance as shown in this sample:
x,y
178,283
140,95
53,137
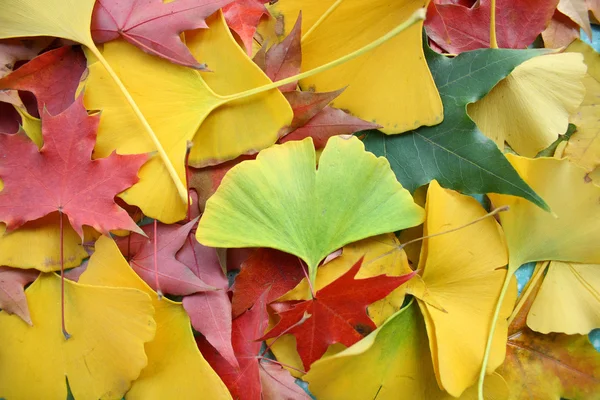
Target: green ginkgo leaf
x,y
281,201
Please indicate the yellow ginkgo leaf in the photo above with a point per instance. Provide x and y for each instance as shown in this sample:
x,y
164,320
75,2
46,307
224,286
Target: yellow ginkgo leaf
x,y
175,365
392,362
382,256
242,126
333,28
531,106
37,245
583,147
459,287
568,300
105,353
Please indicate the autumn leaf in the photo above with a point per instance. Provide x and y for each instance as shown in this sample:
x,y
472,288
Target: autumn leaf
x,y
173,360
336,314
62,177
375,76
243,17
12,291
570,366
306,212
209,311
457,28
278,384
455,153
98,362
173,276
284,59
153,26
39,76
266,270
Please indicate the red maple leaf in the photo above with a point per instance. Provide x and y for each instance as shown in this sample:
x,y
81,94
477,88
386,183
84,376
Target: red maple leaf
x,y
337,313
265,269
12,292
152,25
40,76
173,276
456,28
243,16
63,177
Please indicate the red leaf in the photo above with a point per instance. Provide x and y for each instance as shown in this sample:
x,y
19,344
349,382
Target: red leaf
x,y
265,269
278,384
243,16
210,312
62,177
337,314
306,105
152,25
284,59
457,28
12,292
174,277
561,31
243,383
64,65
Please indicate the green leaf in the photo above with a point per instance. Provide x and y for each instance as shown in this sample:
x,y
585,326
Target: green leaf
x,y
455,152
281,201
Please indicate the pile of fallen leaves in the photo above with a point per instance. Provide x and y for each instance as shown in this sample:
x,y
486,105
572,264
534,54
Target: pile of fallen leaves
x,y
208,199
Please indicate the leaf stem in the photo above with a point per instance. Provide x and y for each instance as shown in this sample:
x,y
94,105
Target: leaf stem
x,y
62,277
488,345
493,40
417,16
142,119
309,278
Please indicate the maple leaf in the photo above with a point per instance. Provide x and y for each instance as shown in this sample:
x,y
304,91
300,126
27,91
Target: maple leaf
x,y
62,177
337,313
173,276
455,152
209,311
457,28
172,357
277,383
570,16
284,59
265,269
243,17
569,363
40,75
152,25
12,292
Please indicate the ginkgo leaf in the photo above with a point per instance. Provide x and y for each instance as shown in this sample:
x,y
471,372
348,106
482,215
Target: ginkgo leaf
x,y
306,211
173,358
105,353
12,291
530,107
460,284
153,26
381,256
584,145
36,244
372,76
568,300
391,360
62,177
455,152
457,27
39,76
552,366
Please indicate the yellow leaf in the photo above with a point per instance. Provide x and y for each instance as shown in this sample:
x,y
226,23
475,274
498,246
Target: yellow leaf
x,y
531,106
37,245
174,361
392,362
242,126
395,76
568,300
583,147
461,282
381,256
108,328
